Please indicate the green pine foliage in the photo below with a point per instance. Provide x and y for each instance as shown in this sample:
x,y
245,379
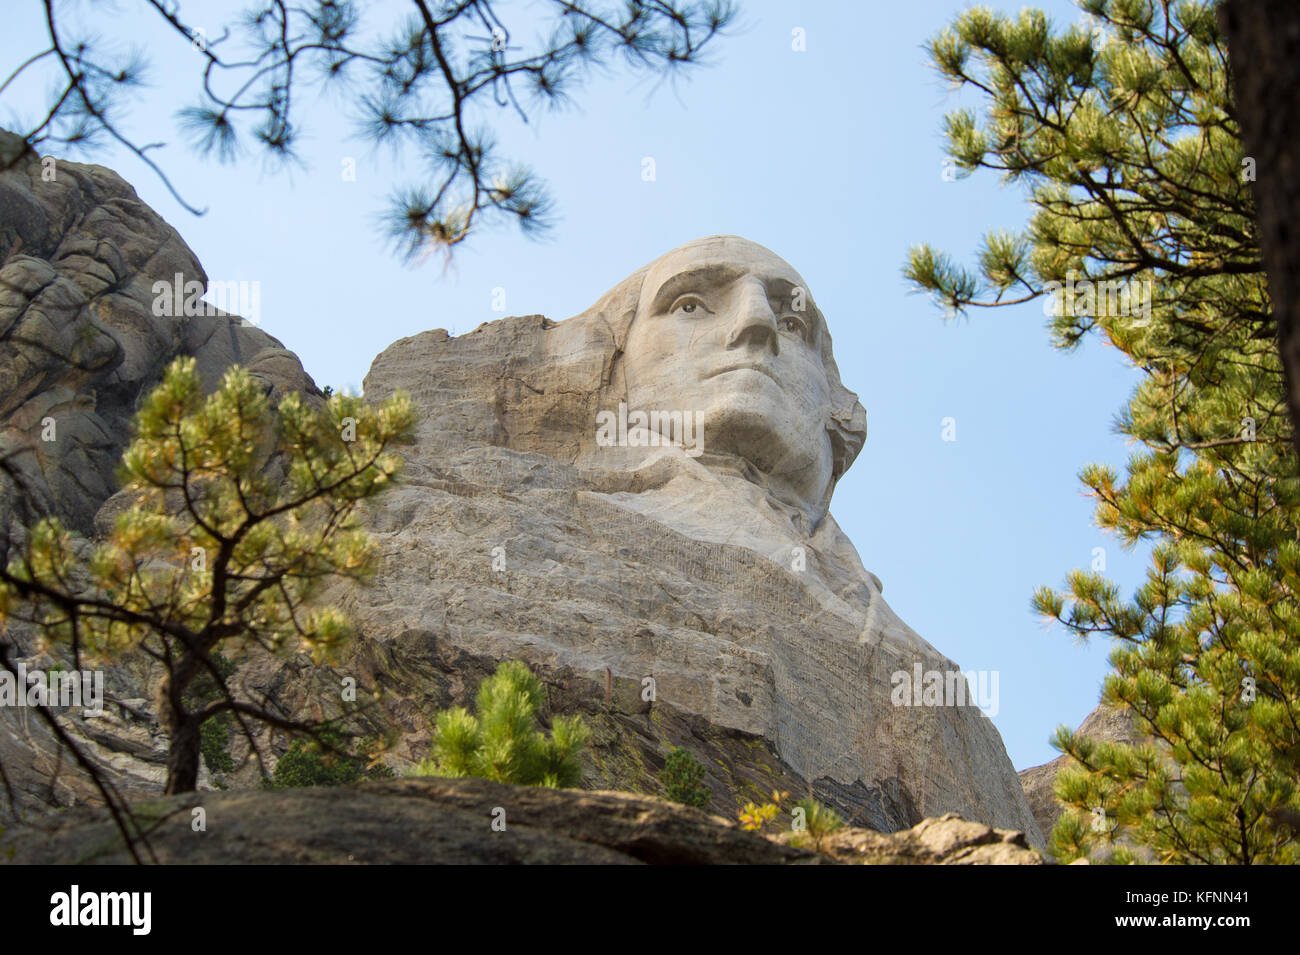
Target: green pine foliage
x,y
683,779
501,741
323,761
241,512
214,734
214,744
419,78
1124,136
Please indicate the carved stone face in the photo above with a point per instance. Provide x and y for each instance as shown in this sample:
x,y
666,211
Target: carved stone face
x,y
726,327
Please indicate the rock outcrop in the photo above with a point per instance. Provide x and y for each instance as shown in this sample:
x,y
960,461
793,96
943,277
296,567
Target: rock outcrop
x,y
124,742
943,840
1104,723
80,342
450,822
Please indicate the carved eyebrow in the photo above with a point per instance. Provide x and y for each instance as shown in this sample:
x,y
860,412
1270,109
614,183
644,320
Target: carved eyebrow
x,y
720,275
785,288
705,276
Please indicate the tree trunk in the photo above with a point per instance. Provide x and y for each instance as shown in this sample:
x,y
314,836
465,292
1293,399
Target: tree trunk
x,y
182,724
183,757
1264,56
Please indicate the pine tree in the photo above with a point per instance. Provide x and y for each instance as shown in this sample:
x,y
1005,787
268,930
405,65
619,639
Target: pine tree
x,y
1266,88
326,760
240,513
1143,232
500,741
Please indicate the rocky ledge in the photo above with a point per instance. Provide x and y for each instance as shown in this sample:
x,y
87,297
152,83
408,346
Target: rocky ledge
x,y
475,821
942,840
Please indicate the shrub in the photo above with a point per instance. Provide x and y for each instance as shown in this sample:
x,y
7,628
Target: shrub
x,y
754,817
501,741
813,822
214,744
321,762
683,779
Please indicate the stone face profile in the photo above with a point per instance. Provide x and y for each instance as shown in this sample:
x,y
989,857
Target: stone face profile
x,y
727,331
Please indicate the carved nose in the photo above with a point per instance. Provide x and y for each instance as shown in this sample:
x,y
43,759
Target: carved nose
x,y
755,324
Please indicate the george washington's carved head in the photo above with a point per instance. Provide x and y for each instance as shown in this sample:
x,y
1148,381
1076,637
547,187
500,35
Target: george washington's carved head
x,y
723,328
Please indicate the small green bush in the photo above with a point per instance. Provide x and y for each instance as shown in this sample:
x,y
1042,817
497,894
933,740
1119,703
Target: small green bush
x,y
683,779
501,741
323,762
214,744
214,734
819,821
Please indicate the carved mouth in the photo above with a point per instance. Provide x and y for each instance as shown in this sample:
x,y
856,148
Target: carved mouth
x,y
761,369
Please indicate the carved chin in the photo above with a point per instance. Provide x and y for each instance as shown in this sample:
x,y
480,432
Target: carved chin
x,y
775,444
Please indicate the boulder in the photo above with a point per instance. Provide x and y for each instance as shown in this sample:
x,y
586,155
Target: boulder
x,y
408,822
943,840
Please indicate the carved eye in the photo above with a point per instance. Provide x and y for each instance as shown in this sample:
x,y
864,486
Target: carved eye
x,y
689,305
794,325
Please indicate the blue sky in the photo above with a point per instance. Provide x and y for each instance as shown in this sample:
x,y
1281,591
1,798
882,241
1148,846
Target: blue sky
x,y
831,157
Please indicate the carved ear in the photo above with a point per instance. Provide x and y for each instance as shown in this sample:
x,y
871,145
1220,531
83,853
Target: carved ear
x,y
847,426
848,431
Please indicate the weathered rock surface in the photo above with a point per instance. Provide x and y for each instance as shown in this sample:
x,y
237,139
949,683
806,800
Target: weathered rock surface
x,y
410,821
124,742
414,675
1103,723
943,840
79,346
450,821
79,340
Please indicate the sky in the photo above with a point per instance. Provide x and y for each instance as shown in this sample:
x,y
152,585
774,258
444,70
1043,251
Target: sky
x,y
832,156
